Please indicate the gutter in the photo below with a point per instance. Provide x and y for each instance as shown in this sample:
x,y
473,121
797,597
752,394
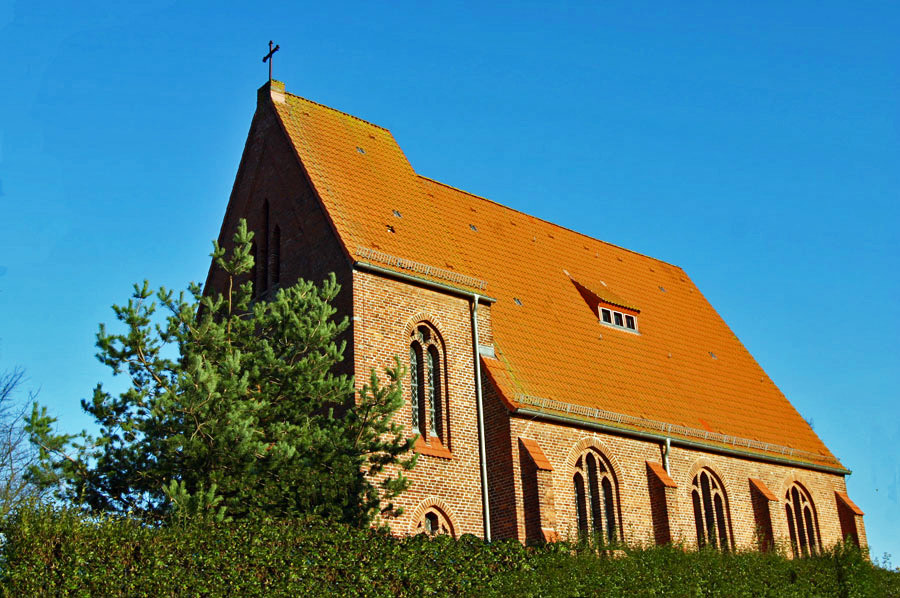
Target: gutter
x,y
563,419
424,282
474,298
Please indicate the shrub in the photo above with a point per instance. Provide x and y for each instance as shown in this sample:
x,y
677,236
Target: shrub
x,y
60,552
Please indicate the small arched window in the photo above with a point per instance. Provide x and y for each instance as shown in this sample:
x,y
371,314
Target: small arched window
x,y
595,497
427,384
434,522
803,524
710,510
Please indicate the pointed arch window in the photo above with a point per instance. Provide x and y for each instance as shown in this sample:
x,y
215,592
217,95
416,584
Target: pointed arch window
x,y
710,510
803,524
276,256
428,385
254,272
264,249
596,493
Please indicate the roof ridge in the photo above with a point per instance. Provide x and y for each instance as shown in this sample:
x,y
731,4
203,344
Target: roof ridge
x,y
559,226
341,112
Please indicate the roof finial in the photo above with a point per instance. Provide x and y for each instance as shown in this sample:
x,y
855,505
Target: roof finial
x,y
268,57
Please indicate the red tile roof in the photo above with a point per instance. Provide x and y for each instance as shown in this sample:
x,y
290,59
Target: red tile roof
x,y
685,369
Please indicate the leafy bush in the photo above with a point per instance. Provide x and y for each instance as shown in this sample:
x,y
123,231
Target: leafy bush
x,y
48,551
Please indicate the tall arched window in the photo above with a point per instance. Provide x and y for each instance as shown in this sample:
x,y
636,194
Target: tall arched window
x,y
802,521
264,247
254,273
710,510
276,256
259,269
427,384
595,497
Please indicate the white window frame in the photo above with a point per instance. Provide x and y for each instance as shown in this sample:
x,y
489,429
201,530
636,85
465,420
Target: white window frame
x,y
612,323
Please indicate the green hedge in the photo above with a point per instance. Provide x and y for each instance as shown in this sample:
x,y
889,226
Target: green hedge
x,y
54,552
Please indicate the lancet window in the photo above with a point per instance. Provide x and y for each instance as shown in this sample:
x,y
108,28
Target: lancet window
x,y
710,510
276,256
595,497
427,384
802,521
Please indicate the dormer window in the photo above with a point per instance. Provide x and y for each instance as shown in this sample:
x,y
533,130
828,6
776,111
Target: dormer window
x,y
618,319
614,311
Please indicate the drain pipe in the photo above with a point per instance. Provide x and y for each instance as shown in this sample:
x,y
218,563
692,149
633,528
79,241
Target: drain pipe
x,y
666,454
485,506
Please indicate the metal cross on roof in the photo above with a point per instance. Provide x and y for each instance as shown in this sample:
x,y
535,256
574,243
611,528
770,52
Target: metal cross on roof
x,y
268,57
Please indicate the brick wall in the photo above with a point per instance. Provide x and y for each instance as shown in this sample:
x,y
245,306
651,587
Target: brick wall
x,y
641,500
385,313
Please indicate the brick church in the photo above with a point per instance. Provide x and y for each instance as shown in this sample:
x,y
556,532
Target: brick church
x,y
559,385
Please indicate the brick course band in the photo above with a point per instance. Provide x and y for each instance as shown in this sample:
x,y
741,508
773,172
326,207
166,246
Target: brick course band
x,y
406,264
631,420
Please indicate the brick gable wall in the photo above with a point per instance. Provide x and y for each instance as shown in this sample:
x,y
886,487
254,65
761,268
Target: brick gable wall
x,y
269,172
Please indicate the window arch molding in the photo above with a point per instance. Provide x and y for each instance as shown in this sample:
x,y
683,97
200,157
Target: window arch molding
x,y
436,506
789,480
800,515
591,496
423,317
708,496
428,383
705,463
593,443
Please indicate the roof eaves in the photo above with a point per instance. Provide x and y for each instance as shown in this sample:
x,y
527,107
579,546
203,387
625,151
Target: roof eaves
x,y
659,431
362,265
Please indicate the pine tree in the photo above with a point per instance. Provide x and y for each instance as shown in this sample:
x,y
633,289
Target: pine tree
x,y
233,409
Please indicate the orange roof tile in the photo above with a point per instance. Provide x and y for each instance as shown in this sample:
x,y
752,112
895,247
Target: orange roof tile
x,y
685,367
763,489
842,496
537,455
661,474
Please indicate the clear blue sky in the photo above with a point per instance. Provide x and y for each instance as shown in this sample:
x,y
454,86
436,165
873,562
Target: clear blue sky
x,y
756,145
